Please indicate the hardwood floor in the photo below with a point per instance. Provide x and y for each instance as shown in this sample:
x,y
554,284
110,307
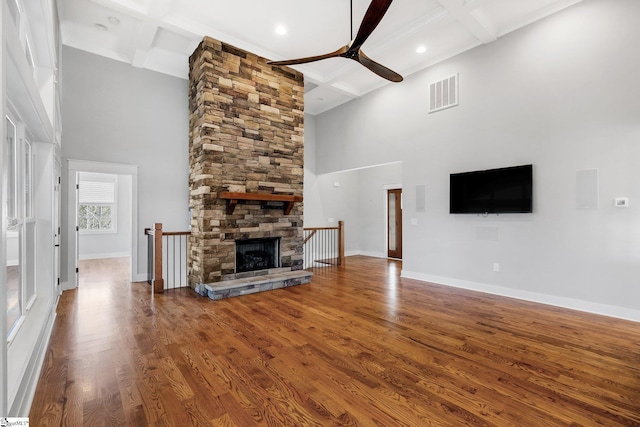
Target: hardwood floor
x,y
358,346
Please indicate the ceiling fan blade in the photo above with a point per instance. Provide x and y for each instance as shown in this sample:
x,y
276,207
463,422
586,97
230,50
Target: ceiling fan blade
x,y
335,54
373,16
379,69
371,19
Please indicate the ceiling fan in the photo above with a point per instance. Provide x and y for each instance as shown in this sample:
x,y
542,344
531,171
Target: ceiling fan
x,y
371,19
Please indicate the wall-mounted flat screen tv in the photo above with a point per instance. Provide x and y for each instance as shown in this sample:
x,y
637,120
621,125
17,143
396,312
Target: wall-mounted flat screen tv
x,y
504,190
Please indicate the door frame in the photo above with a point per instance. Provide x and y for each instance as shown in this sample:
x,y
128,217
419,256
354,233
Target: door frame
x,y
73,167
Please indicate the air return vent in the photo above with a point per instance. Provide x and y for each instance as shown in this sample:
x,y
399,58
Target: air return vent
x,y
443,94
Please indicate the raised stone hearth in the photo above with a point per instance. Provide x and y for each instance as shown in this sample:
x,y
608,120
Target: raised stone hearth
x,y
238,287
246,169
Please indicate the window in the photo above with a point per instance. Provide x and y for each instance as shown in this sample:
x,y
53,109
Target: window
x,y
20,243
28,180
28,231
12,171
97,203
13,228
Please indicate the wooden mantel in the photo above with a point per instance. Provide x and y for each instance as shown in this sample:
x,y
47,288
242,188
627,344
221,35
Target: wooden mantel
x,y
233,198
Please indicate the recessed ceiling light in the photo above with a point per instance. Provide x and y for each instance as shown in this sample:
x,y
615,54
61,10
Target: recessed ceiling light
x,y
281,30
113,20
421,49
101,27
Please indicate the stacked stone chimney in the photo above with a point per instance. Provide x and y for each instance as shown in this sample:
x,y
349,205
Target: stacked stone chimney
x,y
246,136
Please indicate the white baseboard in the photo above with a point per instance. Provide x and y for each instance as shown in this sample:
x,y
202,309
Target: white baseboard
x,y
573,304
105,255
373,254
67,286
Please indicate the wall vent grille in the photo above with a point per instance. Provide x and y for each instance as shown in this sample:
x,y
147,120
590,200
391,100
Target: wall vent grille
x,y
443,94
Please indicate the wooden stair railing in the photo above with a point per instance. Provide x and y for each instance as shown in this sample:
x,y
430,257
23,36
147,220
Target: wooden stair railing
x,y
316,231
156,278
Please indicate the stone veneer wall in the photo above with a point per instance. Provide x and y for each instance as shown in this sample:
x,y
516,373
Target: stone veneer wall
x,y
246,135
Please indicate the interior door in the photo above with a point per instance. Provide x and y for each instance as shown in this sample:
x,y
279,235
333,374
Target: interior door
x,y
394,221
77,233
56,229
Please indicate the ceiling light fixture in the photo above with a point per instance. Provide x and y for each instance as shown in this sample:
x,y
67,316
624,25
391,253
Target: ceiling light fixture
x,y
101,27
421,49
281,30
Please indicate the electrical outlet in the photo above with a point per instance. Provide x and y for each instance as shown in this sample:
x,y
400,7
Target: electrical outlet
x,y
331,220
496,267
621,202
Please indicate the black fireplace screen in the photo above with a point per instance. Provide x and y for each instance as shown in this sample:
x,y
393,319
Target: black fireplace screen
x,y
257,254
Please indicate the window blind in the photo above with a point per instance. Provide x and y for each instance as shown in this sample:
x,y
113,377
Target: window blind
x,y
97,192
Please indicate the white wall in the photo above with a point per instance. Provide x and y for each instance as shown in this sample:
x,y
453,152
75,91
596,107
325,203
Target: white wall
x,y
562,94
357,197
341,204
119,114
313,210
372,204
110,245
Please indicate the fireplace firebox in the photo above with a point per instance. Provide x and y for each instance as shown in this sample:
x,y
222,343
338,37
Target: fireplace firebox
x,y
257,254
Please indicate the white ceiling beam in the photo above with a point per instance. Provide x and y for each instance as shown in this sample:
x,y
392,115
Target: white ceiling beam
x,y
142,41
480,30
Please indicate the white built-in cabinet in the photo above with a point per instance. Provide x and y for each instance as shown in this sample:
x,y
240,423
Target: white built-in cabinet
x,y
29,223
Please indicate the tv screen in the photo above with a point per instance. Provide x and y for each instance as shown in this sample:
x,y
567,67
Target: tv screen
x,y
504,190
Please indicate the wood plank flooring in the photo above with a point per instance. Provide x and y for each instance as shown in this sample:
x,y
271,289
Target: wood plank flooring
x,y
359,346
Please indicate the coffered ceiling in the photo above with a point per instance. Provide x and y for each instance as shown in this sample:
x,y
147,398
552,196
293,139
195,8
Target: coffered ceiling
x,y
160,35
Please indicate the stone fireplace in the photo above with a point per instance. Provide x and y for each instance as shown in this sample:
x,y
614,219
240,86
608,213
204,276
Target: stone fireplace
x,y
246,165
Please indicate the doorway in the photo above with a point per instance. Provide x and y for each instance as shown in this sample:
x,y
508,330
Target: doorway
x,y
103,218
126,172
394,223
